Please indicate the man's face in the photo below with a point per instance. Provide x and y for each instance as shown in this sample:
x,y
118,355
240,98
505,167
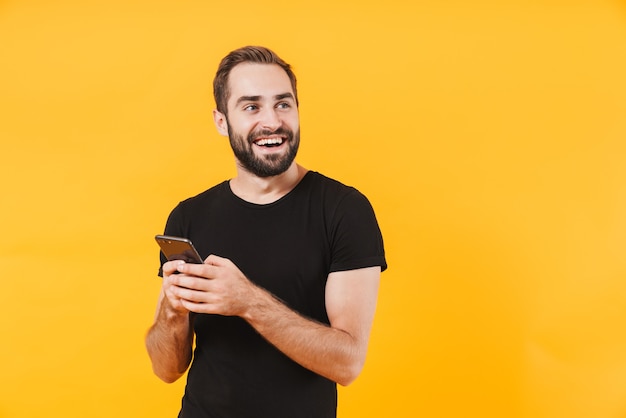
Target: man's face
x,y
262,123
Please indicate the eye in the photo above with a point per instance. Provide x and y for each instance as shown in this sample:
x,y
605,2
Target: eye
x,y
250,107
283,105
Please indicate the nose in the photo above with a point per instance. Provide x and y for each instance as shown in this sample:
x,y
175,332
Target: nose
x,y
270,119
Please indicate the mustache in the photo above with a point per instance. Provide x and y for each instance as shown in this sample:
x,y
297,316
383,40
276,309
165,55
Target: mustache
x,y
288,133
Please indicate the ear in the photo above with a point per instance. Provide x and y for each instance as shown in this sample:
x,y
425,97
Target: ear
x,y
220,122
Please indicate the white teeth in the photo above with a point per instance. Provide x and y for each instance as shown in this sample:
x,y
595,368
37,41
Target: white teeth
x,y
270,141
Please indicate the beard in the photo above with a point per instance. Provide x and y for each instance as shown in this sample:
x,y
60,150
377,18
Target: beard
x,y
265,165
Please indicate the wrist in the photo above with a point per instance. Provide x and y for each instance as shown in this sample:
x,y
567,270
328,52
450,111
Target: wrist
x,y
171,315
258,304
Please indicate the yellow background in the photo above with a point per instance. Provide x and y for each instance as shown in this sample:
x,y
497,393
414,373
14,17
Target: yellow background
x,y
489,136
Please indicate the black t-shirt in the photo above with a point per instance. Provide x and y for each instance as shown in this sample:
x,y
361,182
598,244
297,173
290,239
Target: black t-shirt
x,y
287,247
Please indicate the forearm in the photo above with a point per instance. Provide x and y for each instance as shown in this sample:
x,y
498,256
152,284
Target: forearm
x,y
336,352
329,352
169,343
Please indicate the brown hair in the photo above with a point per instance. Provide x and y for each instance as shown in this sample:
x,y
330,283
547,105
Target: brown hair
x,y
254,54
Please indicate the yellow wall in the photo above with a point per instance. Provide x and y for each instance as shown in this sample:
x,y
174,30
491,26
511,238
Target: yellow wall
x,y
489,135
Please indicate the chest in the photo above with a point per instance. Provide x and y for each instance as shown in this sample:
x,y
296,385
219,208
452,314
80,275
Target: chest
x,y
284,249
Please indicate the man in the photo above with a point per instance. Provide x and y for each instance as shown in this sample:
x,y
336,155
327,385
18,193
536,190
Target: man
x,y
282,307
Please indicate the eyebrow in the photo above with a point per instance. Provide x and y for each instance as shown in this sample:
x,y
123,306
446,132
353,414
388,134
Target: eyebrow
x,y
258,98
283,96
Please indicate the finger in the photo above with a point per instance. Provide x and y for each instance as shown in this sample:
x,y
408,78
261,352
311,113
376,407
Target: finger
x,y
190,282
171,267
196,307
206,271
215,260
190,295
172,301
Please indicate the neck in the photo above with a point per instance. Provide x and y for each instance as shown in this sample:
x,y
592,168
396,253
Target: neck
x,y
264,190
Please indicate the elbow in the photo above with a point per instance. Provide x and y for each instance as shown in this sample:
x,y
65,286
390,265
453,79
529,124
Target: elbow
x,y
166,365
350,372
169,379
350,366
166,376
166,371
346,382
347,378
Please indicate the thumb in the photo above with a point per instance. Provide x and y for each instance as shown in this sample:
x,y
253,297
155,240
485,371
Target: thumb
x,y
215,260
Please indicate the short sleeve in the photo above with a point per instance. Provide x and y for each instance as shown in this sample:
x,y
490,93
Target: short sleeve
x,y
356,238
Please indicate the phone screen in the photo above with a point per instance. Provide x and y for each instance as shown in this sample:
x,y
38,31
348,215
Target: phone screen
x,y
177,248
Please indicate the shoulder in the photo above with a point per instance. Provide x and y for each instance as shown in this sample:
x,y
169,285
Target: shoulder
x,y
336,192
206,196
351,226
328,186
186,213
339,202
200,202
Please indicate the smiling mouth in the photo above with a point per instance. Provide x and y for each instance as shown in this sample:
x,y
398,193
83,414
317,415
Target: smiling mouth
x,y
269,142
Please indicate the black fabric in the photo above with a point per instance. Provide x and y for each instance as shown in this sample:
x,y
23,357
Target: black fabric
x,y
288,247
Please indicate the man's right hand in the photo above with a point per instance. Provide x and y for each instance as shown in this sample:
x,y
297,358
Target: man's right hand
x,y
170,302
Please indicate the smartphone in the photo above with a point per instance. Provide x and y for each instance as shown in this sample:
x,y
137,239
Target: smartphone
x,y
177,248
